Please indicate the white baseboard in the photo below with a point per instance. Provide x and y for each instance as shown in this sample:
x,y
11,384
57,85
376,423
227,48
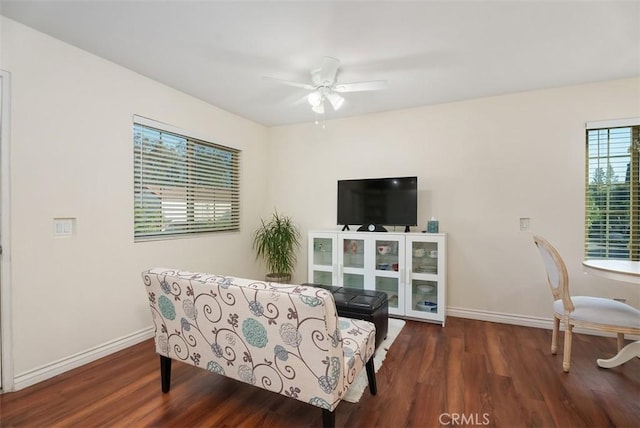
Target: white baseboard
x,y
522,320
514,319
55,368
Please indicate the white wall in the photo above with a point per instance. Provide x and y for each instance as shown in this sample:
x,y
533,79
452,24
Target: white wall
x,y
72,156
481,165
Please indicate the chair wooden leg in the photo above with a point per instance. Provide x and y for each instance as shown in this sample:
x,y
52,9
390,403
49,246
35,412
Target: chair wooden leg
x,y
554,335
371,377
328,419
566,359
620,341
165,373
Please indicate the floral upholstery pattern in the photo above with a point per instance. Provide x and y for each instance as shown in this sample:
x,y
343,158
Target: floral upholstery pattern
x,y
280,337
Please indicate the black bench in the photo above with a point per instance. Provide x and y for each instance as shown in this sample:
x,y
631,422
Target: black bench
x,y
368,305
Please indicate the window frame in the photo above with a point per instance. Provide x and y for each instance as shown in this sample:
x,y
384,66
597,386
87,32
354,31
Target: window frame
x,y
188,188
610,190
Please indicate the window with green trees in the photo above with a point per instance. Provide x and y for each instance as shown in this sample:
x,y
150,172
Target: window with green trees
x,y
183,185
612,227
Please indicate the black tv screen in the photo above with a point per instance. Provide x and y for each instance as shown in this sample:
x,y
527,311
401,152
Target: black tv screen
x,y
381,201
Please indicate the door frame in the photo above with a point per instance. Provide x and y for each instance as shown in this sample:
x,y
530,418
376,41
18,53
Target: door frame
x,y
6,359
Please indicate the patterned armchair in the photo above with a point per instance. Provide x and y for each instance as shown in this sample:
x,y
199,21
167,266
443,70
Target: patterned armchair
x,y
283,338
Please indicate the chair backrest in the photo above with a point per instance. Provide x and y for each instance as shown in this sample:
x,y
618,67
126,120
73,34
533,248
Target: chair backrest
x,y
557,274
281,337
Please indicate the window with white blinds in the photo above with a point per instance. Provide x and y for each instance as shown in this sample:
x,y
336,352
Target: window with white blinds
x,y
612,226
183,185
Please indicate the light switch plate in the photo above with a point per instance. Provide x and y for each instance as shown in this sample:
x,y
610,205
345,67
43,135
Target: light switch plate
x,y
63,226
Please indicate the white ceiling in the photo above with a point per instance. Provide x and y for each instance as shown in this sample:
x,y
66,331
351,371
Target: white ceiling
x,y
429,52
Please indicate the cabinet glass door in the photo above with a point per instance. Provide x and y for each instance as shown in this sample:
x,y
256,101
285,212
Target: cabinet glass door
x,y
322,259
322,251
353,253
322,277
424,257
352,280
426,277
424,296
389,286
389,257
352,262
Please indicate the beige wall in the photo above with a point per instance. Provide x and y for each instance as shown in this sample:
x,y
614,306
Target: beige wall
x,y
72,156
481,165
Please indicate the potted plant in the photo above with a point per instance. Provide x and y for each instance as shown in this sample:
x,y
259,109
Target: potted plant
x,y
276,241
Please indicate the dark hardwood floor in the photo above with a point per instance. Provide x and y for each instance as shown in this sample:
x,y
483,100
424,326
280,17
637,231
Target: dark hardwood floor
x,y
470,373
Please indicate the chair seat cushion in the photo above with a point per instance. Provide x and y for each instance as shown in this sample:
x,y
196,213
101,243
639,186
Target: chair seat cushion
x,y
600,310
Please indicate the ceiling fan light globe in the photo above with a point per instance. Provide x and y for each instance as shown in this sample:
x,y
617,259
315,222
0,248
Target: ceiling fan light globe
x,y
318,108
314,98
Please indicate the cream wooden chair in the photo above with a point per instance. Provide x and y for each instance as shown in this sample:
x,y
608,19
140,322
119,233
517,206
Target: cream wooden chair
x,y
594,313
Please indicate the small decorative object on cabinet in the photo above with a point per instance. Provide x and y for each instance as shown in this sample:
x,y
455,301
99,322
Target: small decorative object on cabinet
x,y
409,267
432,225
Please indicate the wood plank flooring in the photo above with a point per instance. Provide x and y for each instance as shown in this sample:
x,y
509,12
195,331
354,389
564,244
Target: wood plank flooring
x,y
470,373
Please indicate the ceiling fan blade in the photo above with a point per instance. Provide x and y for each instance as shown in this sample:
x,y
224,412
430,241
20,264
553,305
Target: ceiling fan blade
x,y
316,77
290,83
329,70
373,85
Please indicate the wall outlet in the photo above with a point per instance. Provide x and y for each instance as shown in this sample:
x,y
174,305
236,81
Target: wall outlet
x,y
525,223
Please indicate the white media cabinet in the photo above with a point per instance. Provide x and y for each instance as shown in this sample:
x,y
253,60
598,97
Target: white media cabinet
x,y
409,267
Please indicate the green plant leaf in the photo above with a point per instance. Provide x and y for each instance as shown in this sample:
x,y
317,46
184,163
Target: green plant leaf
x,y
276,242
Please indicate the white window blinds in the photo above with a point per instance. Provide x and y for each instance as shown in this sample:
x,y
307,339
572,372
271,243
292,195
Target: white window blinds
x,y
612,225
183,185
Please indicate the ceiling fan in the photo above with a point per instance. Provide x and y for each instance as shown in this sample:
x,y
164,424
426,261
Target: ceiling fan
x,y
325,87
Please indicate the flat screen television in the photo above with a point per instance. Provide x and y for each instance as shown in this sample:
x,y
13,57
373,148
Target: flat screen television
x,y
377,202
